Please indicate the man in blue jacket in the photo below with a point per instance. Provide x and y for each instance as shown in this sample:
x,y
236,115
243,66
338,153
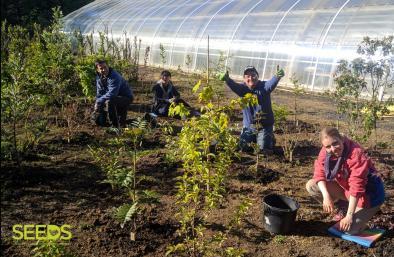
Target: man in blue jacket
x,y
258,120
113,96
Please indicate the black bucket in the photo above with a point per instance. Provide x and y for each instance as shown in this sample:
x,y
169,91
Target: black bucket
x,y
279,213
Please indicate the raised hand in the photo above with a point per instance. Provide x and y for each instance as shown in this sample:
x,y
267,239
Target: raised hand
x,y
224,76
279,72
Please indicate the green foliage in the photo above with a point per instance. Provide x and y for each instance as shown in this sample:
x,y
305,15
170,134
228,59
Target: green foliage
x,y
240,212
206,148
188,62
280,113
109,161
50,66
125,212
291,137
86,73
361,86
50,248
121,175
201,245
17,104
247,100
129,64
178,110
297,91
279,239
290,142
220,65
27,12
163,54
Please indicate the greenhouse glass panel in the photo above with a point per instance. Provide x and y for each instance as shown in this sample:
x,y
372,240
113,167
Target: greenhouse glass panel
x,y
304,37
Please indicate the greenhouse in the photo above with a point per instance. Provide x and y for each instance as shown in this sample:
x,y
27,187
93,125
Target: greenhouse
x,y
306,38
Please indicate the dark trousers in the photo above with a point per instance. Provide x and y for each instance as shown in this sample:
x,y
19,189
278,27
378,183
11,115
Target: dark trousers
x,y
116,108
264,138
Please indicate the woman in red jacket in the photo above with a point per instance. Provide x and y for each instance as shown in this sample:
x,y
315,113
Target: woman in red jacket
x,y
344,172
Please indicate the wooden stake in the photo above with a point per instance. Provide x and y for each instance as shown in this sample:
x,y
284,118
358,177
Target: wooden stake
x,y
208,62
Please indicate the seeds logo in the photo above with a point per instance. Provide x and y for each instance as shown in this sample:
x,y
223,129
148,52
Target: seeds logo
x,y
41,232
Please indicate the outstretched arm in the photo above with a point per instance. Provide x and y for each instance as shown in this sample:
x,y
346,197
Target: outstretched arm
x,y
271,84
239,89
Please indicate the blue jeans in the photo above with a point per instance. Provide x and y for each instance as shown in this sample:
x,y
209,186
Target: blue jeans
x,y
264,138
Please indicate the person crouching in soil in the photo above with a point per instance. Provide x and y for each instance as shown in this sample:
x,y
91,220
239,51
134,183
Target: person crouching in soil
x,y
113,96
165,94
343,173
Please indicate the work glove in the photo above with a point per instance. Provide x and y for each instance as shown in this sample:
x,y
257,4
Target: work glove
x,y
224,76
279,72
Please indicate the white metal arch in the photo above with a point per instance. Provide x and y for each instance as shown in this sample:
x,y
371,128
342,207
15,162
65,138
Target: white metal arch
x,y
273,35
100,21
203,31
147,17
236,29
86,18
322,42
334,62
148,9
180,26
165,18
126,10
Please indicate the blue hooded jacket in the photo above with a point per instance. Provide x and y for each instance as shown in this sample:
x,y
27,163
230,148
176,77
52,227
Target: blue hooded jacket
x,y
263,91
111,86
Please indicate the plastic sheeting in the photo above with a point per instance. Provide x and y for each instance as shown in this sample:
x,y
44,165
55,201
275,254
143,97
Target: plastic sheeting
x,y
304,37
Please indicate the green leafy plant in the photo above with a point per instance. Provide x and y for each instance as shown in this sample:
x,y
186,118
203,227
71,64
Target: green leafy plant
x,y
206,148
49,248
214,245
50,66
138,197
163,54
70,115
362,84
297,91
86,73
280,113
290,142
188,62
17,103
280,239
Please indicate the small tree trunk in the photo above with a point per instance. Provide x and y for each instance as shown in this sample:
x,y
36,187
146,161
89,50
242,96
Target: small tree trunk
x,y
15,143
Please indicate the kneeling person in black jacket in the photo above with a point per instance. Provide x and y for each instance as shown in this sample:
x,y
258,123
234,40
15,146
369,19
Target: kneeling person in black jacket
x,y
165,94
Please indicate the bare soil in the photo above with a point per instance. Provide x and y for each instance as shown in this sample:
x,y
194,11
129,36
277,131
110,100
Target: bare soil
x,y
60,184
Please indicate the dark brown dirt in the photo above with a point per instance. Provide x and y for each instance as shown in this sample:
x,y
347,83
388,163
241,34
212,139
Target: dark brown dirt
x,y
61,185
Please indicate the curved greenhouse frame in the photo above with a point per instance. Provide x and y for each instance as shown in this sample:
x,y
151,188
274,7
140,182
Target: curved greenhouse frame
x,y
305,37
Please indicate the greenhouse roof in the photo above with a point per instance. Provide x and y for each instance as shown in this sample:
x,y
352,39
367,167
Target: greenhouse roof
x,y
305,37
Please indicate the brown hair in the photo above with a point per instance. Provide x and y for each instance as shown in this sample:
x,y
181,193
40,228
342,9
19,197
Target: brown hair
x,y
165,73
99,61
330,132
